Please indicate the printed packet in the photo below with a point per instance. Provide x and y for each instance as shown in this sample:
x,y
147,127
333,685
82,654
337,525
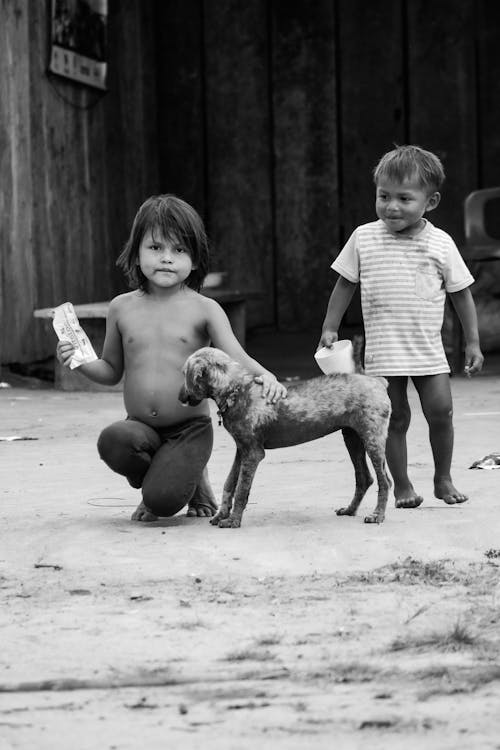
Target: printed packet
x,y
68,328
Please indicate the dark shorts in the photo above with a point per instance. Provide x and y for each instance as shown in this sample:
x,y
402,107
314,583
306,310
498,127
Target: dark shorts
x,y
167,462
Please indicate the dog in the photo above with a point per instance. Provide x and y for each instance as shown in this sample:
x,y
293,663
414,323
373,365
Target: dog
x,y
356,404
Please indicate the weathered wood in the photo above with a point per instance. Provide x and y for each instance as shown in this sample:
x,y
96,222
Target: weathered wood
x,y
239,149
180,87
268,116
441,92
17,272
372,114
305,150
81,163
488,101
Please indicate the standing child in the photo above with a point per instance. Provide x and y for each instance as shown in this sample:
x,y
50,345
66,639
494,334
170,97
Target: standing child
x,y
161,446
405,267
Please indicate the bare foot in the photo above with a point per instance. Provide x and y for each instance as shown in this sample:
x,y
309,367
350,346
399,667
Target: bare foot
x,y
406,497
204,507
203,503
141,513
444,489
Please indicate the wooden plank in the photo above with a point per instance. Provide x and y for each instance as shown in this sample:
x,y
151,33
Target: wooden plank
x,y
238,148
372,114
181,148
488,75
305,151
93,161
16,226
441,67
130,142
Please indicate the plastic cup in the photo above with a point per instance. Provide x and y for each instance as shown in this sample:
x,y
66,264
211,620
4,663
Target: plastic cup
x,y
337,359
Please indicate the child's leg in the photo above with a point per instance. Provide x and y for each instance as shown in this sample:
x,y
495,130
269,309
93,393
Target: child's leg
x,y
177,467
396,450
435,396
128,447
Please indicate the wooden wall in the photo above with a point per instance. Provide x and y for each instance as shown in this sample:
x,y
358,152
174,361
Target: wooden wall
x,y
291,104
75,165
267,115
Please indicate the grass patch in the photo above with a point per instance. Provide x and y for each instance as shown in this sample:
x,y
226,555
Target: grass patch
x,y
249,654
458,638
269,640
411,571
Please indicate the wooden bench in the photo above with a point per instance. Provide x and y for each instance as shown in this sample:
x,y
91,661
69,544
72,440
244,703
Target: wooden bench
x,y
92,316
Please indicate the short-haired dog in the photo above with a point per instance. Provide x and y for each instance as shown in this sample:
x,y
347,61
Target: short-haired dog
x,y
356,404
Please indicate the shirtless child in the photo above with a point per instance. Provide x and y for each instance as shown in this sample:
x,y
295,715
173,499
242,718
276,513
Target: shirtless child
x,y
160,447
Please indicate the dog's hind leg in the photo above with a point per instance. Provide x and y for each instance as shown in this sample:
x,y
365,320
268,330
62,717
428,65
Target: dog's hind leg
x,y
376,451
248,467
228,491
364,479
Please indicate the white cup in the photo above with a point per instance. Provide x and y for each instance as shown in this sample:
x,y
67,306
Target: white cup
x,y
337,359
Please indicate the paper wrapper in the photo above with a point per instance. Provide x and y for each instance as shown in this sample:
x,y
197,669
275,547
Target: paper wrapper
x,y
68,328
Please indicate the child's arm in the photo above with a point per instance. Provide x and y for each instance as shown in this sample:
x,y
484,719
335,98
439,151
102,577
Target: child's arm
x,y
109,368
222,336
337,305
466,311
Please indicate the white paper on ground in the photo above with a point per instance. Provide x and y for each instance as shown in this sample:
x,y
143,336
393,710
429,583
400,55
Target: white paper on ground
x,y
68,328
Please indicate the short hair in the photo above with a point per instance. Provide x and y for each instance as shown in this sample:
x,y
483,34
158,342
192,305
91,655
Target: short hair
x,y
175,219
406,162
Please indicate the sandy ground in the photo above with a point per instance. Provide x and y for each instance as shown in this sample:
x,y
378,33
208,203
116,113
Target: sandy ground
x,y
299,630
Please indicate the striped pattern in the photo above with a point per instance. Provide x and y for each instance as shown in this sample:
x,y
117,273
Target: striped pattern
x,y
404,280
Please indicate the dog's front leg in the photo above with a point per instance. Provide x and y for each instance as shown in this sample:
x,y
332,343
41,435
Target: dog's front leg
x,y
228,491
248,467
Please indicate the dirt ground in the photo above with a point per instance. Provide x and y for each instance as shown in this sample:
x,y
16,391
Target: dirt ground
x,y
299,630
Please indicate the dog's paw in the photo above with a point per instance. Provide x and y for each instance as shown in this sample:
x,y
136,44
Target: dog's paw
x,y
374,518
345,512
230,523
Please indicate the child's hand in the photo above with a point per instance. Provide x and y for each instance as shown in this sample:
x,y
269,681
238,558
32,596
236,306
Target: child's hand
x,y
473,359
272,389
328,338
64,352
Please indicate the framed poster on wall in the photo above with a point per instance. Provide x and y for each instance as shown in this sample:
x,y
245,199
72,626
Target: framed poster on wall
x,y
78,33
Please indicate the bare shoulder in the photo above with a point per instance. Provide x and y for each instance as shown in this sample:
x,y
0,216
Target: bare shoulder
x,y
209,305
124,302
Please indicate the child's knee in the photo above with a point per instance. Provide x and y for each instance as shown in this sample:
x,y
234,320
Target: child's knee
x,y
127,438
108,442
439,418
400,420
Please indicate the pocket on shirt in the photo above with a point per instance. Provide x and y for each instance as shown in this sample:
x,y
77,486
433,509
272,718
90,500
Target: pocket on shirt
x,y
428,284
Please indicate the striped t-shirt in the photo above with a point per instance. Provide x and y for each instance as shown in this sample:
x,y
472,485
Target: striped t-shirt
x,y
404,280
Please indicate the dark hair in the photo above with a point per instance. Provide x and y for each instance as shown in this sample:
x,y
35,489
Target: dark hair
x,y
411,161
175,219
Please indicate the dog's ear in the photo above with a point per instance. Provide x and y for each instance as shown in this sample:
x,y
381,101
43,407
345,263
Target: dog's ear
x,y
197,377
199,373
